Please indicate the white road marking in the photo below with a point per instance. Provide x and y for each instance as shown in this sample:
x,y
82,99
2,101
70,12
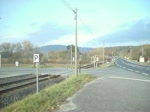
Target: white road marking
x,y
134,65
144,73
130,69
137,71
129,79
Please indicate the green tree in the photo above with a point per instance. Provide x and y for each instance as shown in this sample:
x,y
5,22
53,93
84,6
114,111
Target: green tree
x,y
73,48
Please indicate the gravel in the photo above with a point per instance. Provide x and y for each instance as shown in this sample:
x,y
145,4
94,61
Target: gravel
x,y
16,95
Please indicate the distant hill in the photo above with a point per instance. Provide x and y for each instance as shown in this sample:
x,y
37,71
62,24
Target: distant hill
x,y
48,48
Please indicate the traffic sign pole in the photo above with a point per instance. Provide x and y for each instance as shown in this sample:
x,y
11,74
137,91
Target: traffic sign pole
x,y
36,60
37,77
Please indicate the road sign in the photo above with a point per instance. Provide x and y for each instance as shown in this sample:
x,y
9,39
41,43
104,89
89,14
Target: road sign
x,y
36,58
73,59
97,58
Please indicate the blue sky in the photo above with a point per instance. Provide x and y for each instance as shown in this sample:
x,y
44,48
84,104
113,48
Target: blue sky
x,y
46,22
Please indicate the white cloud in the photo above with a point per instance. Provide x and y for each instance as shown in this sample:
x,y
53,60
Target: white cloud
x,y
64,40
83,40
101,17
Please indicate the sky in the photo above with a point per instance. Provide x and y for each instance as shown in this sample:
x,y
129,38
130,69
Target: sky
x,y
49,22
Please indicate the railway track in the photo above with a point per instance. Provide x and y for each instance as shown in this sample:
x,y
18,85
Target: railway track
x,y
90,65
24,82
30,79
15,88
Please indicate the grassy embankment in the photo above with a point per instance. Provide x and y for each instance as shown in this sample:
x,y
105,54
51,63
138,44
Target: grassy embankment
x,y
50,98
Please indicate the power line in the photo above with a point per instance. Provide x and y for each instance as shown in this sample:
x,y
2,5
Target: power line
x,y
67,5
90,31
76,15
76,40
86,26
70,8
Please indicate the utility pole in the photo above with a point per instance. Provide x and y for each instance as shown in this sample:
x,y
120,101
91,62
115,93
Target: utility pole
x,y
0,60
142,50
37,77
130,53
71,55
76,44
103,52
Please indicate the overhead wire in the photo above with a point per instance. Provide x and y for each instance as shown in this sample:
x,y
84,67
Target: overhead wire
x,y
94,40
67,5
70,8
86,26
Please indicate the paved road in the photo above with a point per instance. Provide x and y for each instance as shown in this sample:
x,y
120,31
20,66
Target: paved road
x,y
115,90
9,72
145,70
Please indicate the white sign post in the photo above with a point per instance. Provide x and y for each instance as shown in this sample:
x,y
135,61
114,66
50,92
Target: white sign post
x,y
36,60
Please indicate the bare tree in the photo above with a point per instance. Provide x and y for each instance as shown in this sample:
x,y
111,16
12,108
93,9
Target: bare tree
x,y
18,51
6,50
28,50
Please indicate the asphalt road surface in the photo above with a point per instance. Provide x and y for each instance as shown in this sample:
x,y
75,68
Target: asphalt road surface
x,y
115,90
9,72
121,88
145,70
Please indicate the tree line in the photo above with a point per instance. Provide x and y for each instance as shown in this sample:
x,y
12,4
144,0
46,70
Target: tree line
x,y
22,52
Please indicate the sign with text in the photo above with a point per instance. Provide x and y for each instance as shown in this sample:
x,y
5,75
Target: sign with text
x,y
36,58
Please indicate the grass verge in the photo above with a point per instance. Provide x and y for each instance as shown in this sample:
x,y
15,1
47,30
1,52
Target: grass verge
x,y
50,98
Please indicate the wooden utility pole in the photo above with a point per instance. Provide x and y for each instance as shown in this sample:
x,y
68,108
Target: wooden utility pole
x,y
71,54
76,44
142,51
103,52
0,60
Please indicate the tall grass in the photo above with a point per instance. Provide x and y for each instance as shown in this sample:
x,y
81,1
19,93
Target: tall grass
x,y
50,98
